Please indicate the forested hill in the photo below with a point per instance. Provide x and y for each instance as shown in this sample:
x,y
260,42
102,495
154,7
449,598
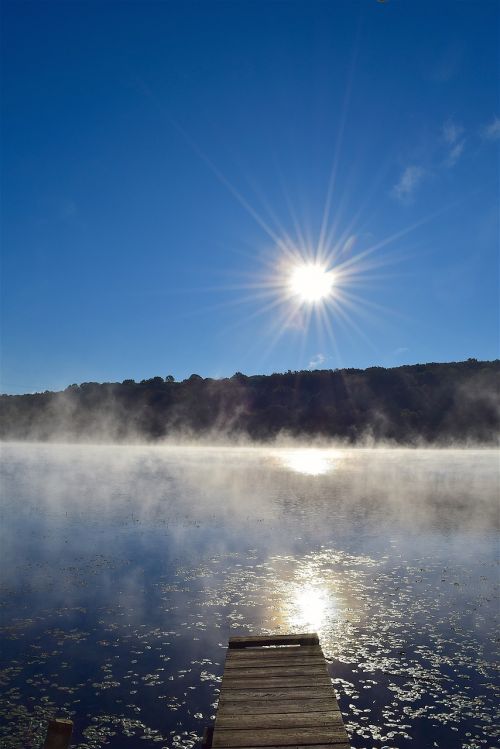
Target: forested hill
x,y
436,403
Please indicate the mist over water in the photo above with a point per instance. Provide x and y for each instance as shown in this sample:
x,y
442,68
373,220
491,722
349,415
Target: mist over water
x,y
126,569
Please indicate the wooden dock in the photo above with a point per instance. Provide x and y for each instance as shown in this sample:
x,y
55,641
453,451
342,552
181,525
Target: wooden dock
x,y
276,692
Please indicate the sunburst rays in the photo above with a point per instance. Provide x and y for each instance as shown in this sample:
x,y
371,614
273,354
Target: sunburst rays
x,y
339,259
296,287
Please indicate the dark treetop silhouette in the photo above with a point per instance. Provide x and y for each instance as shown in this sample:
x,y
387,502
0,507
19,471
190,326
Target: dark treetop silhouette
x,y
436,403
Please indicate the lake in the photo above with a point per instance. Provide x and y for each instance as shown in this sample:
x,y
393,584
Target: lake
x,y
126,569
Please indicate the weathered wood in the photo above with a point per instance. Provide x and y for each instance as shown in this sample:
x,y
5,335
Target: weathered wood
x,y
276,692
270,706
206,740
281,670
232,668
272,654
273,640
296,660
300,746
278,682
277,737
282,652
329,719
246,694
58,734
316,746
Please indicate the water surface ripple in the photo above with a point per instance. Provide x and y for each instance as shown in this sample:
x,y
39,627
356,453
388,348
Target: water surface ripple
x,y
126,569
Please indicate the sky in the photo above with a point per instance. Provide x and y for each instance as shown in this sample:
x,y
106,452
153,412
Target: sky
x,y
167,167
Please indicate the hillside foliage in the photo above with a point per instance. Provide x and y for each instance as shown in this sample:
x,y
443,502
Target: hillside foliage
x,y
433,403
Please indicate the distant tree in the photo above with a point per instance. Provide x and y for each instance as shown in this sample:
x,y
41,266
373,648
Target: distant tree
x,y
128,382
169,378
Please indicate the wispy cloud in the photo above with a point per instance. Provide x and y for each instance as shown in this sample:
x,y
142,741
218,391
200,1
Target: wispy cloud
x,y
445,152
455,143
452,132
409,181
454,154
492,130
316,361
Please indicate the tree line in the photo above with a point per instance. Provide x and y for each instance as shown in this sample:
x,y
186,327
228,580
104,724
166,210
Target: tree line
x,y
432,403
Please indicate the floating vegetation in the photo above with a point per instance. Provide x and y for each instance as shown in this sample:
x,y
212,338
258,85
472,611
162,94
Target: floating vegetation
x,y
124,629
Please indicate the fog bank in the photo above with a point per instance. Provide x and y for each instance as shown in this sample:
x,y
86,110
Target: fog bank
x,y
434,404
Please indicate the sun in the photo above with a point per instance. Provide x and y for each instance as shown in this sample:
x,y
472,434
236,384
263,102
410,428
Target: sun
x,y
311,282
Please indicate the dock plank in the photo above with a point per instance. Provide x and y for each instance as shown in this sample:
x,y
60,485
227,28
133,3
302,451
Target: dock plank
x,y
278,737
329,719
307,638
299,746
245,694
279,682
282,670
269,652
297,660
255,707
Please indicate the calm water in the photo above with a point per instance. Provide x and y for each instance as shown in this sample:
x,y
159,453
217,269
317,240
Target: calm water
x,y
125,570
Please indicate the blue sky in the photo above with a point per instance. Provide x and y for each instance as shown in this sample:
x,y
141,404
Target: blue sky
x,y
163,161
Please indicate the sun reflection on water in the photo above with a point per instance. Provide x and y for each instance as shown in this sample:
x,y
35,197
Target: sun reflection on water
x,y
310,607
310,461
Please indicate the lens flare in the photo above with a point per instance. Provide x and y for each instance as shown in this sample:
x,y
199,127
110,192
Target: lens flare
x,y
314,263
